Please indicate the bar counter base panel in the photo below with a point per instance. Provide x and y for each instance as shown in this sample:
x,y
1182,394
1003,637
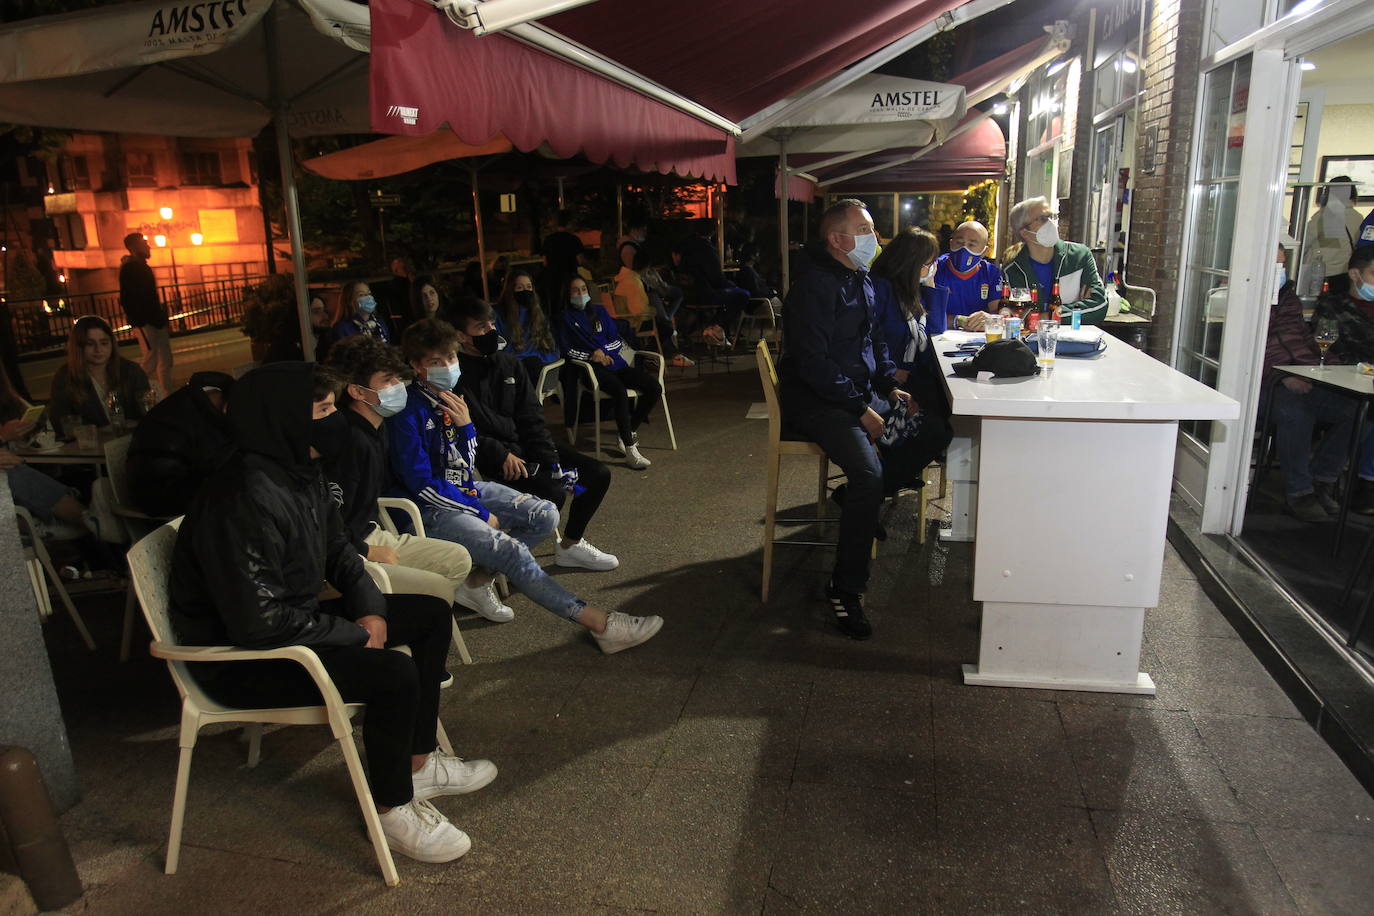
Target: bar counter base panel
x,y
1143,685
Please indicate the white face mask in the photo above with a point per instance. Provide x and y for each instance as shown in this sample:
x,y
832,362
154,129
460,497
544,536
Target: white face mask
x,y
1048,234
865,247
928,273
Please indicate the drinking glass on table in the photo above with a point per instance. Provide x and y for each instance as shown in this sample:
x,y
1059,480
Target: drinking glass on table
x,y
1047,342
69,425
994,326
1325,332
114,408
1020,295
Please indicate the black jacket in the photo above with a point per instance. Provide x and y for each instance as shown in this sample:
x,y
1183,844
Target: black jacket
x,y
508,416
357,477
264,535
138,294
178,445
835,354
1356,341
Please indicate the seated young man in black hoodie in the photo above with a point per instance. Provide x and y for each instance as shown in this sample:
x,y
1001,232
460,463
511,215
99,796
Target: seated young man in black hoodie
x,y
179,444
513,445
254,552
374,376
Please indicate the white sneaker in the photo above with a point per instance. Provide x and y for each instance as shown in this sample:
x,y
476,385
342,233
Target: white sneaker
x,y
483,600
585,556
419,830
634,460
443,775
625,632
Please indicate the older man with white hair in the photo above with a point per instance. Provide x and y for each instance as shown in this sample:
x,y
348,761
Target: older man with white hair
x,y
1046,260
973,281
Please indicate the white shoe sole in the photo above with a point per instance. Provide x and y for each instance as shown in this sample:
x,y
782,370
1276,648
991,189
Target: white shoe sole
x,y
501,616
630,645
433,857
441,791
575,564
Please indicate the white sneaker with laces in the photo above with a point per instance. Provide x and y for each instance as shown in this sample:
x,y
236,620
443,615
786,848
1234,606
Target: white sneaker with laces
x,y
625,632
419,830
442,775
584,556
634,460
483,600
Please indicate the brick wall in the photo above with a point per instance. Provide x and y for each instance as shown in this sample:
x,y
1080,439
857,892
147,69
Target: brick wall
x,y
1173,54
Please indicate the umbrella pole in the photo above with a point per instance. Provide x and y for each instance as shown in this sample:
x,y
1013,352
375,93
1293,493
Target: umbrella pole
x,y
288,185
783,180
619,210
481,240
719,191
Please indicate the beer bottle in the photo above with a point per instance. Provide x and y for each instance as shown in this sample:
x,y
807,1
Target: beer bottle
x,y
1055,304
1032,313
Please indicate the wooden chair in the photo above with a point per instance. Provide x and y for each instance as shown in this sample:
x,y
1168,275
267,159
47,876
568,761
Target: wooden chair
x,y
777,447
150,565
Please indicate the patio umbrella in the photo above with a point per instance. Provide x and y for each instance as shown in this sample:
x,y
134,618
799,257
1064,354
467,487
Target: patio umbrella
x,y
223,69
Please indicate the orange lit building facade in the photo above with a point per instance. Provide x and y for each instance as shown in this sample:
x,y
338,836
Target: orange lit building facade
x,y
195,200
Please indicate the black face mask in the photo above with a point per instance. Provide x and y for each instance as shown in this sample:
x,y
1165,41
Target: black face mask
x,y
525,298
329,436
487,343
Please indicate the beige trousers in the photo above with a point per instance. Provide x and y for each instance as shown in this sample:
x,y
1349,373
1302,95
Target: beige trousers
x,y
429,566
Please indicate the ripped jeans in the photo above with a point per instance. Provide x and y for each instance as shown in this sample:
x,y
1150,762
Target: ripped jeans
x,y
525,521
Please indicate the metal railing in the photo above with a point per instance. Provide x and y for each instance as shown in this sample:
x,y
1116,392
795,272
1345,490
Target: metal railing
x,y
41,326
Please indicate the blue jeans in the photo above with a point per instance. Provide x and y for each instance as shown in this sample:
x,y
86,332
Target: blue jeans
x,y
1295,418
525,521
36,491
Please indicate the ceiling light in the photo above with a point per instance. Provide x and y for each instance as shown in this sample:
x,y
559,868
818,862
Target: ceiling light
x,y
1306,65
1000,108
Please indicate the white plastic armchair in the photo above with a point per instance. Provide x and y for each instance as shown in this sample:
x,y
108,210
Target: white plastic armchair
x,y
587,382
548,380
417,525
136,524
150,563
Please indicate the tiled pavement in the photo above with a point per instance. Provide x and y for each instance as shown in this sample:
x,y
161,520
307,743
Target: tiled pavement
x,y
749,759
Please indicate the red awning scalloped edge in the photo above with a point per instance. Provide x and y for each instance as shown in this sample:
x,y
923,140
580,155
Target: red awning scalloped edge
x,y
427,73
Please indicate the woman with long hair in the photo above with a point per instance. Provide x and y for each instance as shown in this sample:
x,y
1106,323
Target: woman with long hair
x,y
45,498
93,372
909,309
590,335
425,299
520,319
356,313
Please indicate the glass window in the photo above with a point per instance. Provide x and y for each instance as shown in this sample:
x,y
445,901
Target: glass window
x,y
141,169
913,210
200,168
1231,20
1226,93
1046,119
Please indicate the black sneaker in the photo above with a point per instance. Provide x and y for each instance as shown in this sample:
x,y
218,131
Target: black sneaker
x,y
1326,495
1362,500
848,609
838,495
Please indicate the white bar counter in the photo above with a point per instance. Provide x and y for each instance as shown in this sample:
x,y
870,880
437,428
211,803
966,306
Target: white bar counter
x,y
1063,481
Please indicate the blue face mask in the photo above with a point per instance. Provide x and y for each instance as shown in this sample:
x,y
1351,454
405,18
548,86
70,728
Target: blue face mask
x,y
445,379
1365,291
391,399
963,259
367,305
865,247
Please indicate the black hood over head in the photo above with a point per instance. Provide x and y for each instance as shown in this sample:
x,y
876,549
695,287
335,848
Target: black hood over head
x,y
270,412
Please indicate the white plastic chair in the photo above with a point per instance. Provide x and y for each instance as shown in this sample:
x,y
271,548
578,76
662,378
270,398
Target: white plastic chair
x,y
760,313
548,380
150,565
418,526
39,562
589,383
136,524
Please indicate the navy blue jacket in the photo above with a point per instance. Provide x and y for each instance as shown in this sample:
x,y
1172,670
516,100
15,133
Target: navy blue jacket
x,y
925,382
433,460
835,354
584,331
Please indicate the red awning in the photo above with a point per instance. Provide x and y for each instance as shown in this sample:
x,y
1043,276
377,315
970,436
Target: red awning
x,y
737,57
988,79
978,154
426,72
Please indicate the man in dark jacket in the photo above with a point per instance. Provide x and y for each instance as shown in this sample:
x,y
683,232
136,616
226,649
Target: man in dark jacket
x,y
374,388
253,554
1297,407
145,312
514,446
834,373
179,444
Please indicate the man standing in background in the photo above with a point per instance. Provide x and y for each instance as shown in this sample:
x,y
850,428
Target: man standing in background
x,y
145,312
